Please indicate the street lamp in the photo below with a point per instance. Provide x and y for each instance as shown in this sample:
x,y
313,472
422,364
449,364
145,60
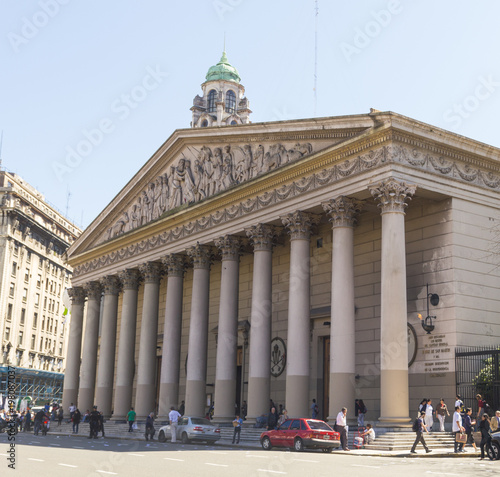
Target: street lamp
x,y
427,324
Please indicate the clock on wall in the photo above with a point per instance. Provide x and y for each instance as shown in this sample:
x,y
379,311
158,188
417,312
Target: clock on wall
x,y
412,344
278,356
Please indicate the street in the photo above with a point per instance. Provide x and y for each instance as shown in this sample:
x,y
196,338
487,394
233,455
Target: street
x,y
78,456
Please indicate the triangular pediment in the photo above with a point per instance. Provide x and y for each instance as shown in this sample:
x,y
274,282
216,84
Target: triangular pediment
x,y
196,165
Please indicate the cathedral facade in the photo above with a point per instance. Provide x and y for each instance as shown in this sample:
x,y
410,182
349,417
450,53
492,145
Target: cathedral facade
x,y
287,260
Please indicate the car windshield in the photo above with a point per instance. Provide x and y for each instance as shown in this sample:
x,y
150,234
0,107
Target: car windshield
x,y
319,426
200,421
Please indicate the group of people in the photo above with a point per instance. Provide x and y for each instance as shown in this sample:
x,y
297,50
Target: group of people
x,y
463,424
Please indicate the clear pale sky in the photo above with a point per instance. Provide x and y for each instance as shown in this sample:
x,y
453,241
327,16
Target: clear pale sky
x,y
132,68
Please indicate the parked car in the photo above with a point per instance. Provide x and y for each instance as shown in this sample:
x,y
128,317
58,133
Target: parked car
x,y
495,444
191,429
301,434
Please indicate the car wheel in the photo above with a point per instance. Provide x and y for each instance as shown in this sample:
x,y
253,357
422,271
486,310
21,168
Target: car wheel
x,y
161,437
298,445
327,450
496,451
185,439
266,443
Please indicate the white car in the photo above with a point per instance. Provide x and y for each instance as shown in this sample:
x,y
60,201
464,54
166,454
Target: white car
x,y
191,429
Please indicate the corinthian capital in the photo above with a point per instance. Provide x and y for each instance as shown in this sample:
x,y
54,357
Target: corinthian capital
x,y
77,295
342,211
111,285
299,224
151,272
130,279
201,255
392,195
93,290
229,246
262,236
175,264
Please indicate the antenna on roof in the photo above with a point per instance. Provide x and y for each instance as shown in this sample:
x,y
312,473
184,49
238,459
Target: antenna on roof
x,y
68,195
316,56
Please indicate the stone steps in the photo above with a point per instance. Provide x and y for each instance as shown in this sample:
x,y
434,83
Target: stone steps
x,y
404,440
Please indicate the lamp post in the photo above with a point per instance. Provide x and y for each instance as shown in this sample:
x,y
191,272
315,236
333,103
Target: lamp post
x,y
427,324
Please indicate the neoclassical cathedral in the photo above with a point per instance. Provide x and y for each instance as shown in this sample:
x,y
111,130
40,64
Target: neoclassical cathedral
x,y
288,260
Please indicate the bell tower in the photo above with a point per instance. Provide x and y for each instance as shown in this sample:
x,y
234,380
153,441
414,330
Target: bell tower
x,y
223,102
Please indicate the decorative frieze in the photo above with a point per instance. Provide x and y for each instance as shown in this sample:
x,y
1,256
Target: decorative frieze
x,y
77,295
299,224
229,247
392,194
262,236
151,272
130,279
175,264
342,211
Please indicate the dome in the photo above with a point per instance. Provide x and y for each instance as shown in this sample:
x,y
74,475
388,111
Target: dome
x,y
223,71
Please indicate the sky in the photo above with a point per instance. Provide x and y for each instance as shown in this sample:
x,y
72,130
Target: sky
x,y
90,89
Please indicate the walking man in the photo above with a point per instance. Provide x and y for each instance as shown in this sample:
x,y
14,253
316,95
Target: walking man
x,y
340,427
237,429
173,416
457,429
420,428
131,419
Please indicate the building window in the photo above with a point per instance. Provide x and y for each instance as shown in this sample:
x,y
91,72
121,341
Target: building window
x,y
230,102
37,299
25,295
7,333
204,123
60,349
39,281
9,311
212,97
16,248
33,341
45,303
27,275
28,257
23,316
35,320
14,269
20,342
43,322
41,344
55,328
12,289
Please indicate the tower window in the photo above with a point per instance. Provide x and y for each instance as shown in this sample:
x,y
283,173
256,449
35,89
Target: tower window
x,y
204,123
230,102
212,96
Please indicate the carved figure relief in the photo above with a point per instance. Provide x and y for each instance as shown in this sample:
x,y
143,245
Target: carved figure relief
x,y
213,171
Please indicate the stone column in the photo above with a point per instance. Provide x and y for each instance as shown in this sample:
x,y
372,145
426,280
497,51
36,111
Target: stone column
x,y
394,400
259,384
146,367
297,376
72,373
125,365
89,356
227,335
106,365
175,265
198,331
342,213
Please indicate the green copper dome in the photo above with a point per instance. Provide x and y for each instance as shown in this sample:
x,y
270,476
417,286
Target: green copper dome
x,y
223,71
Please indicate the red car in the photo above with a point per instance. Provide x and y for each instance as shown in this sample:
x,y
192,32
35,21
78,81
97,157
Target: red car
x,y
302,434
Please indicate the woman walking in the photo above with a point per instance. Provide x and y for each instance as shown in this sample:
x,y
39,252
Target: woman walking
x,y
484,427
441,412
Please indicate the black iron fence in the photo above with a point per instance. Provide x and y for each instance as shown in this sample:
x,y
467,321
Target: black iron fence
x,y
477,372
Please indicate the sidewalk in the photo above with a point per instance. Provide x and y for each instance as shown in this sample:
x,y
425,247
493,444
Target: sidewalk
x,y
138,435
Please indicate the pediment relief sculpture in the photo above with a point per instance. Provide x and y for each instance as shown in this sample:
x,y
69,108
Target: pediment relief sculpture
x,y
200,173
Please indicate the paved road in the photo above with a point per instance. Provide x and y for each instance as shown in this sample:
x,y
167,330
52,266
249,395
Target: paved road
x,y
56,456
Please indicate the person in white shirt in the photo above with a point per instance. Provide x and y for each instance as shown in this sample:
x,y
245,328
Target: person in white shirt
x,y
72,410
173,417
340,427
428,419
457,428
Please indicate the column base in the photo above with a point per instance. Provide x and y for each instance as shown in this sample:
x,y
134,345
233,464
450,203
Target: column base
x,y
402,422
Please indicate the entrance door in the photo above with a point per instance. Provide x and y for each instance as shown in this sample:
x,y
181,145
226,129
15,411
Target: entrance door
x,y
326,377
